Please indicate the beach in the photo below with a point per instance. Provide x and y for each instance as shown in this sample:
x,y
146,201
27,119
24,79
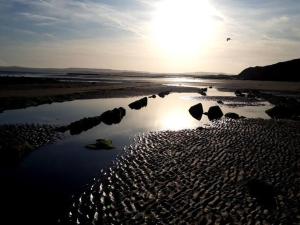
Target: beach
x,y
165,166
18,92
235,172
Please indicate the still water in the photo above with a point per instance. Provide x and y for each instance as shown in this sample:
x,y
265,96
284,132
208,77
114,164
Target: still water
x,y
43,183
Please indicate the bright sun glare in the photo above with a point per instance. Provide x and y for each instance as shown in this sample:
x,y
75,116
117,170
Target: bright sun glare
x,y
183,26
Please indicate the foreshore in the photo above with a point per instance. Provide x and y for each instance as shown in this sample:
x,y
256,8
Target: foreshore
x,y
235,172
18,92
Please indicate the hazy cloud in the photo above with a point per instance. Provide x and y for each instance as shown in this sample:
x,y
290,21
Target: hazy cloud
x,y
113,34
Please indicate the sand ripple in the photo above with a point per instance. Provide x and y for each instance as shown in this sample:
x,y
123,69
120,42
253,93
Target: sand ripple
x,y
198,177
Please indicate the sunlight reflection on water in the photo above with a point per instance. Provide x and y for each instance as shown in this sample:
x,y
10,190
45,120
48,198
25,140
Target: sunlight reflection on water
x,y
64,167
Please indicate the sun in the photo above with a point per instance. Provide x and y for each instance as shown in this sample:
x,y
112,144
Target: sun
x,y
182,27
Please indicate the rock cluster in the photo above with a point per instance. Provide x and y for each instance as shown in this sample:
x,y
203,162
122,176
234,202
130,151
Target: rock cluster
x,y
108,117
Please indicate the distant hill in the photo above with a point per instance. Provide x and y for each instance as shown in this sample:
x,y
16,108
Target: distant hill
x,y
283,71
73,72
17,69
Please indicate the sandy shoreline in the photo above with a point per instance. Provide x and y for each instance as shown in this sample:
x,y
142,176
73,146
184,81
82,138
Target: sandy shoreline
x,y
189,176
14,95
203,176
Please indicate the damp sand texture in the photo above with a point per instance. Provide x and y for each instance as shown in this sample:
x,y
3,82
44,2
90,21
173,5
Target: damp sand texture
x,y
199,176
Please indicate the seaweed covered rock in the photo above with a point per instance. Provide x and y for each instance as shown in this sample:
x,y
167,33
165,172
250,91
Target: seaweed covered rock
x,y
196,111
101,144
139,103
214,113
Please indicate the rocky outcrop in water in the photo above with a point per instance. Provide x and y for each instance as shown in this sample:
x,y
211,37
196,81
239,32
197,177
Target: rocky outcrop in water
x,y
225,174
196,111
214,113
285,112
163,94
84,124
139,103
113,116
202,91
108,117
101,144
232,115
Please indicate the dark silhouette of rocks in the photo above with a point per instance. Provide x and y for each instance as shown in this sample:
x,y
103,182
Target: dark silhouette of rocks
x,y
108,117
263,192
232,115
84,124
220,102
163,94
202,91
196,111
139,104
214,113
101,144
152,96
285,112
113,116
283,71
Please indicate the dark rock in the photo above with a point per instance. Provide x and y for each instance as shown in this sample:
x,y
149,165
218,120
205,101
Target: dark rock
x,y
139,103
101,144
220,102
83,125
163,94
202,91
284,112
196,111
232,115
214,113
263,192
210,86
113,116
152,96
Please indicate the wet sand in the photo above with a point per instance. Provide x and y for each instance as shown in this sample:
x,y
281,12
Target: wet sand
x,y
204,176
18,140
21,93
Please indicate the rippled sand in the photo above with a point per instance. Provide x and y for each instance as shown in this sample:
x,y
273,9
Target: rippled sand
x,y
199,177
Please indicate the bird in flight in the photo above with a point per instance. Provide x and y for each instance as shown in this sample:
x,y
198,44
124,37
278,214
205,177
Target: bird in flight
x,y
228,39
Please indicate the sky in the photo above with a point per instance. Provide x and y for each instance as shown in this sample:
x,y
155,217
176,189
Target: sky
x,y
149,35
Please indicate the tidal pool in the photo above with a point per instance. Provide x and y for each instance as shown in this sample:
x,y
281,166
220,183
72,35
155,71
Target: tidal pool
x,y
43,183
